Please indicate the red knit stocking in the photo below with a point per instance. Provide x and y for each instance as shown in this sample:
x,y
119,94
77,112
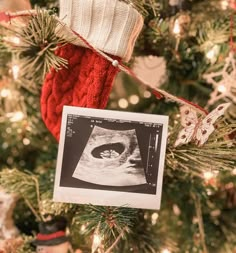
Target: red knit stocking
x,y
86,82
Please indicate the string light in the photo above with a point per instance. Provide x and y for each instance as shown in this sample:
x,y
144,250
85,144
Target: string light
x,y
96,242
123,103
165,251
16,116
208,175
5,93
176,210
83,227
147,94
224,4
134,99
221,88
15,40
26,141
176,29
15,71
210,54
154,218
213,53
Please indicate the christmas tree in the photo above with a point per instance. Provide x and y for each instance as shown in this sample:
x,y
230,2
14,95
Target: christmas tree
x,y
183,66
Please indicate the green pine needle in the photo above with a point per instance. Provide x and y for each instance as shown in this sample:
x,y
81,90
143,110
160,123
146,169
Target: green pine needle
x,y
218,153
38,43
110,221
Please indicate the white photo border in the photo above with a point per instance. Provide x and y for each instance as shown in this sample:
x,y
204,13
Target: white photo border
x,y
104,197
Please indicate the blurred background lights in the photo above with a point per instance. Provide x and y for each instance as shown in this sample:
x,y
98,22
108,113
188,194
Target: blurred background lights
x,y
154,218
165,251
15,116
176,29
134,99
12,39
26,141
176,210
83,227
147,94
5,93
123,103
15,40
15,71
208,175
97,239
221,88
213,53
224,4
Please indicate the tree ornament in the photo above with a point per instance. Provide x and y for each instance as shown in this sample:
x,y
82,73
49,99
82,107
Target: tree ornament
x,y
52,236
88,78
223,81
196,129
151,69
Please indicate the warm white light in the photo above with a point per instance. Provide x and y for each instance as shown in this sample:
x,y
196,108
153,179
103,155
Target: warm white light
x,y
176,210
234,171
97,239
134,99
83,227
210,54
147,94
176,29
154,218
165,251
5,93
123,103
224,4
26,141
15,71
16,116
213,53
15,40
96,242
221,88
208,175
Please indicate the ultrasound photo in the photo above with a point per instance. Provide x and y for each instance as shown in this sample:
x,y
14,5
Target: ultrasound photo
x,y
111,158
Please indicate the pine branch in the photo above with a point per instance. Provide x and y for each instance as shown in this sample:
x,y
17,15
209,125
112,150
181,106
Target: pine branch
x,y
218,153
23,184
143,5
38,43
112,221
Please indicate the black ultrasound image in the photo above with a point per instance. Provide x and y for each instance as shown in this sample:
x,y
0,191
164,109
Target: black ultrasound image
x,y
111,154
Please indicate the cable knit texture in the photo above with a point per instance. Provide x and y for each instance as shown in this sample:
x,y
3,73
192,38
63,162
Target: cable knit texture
x,y
109,25
86,82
